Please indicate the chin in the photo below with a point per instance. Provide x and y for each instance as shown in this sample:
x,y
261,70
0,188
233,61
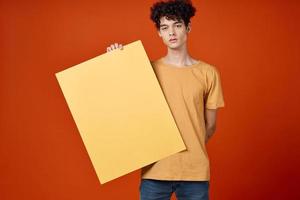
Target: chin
x,y
174,46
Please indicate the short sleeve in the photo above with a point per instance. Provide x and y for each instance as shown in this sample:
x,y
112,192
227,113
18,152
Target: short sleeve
x,y
214,93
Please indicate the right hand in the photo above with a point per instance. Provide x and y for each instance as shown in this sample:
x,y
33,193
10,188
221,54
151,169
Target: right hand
x,y
114,46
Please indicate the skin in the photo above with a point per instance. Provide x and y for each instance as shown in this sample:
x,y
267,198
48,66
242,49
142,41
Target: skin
x,y
210,116
177,52
178,55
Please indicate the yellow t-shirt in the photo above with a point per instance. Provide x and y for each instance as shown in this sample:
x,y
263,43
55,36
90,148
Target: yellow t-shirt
x,y
188,91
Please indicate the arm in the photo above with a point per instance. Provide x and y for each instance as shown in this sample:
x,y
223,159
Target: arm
x,y
210,122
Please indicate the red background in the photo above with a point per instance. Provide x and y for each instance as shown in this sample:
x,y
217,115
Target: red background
x,y
255,45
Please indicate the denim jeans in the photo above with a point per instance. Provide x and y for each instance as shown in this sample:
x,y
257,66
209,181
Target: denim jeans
x,y
151,189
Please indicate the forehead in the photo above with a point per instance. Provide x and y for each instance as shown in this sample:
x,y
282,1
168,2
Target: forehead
x,y
165,21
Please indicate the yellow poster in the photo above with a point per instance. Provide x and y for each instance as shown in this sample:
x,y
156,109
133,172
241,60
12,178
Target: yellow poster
x,y
120,111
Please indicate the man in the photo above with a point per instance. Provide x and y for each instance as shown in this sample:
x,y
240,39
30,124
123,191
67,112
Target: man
x,y
193,92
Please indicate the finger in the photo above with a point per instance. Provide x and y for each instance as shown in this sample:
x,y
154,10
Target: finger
x,y
112,47
108,49
116,45
121,46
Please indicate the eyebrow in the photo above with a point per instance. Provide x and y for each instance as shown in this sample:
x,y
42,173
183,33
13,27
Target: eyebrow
x,y
173,23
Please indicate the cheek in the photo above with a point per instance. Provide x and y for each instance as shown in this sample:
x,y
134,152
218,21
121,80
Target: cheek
x,y
182,34
165,37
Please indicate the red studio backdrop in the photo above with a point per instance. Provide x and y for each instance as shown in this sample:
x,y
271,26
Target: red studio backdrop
x,y
254,153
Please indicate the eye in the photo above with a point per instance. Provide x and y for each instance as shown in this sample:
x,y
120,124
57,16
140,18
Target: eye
x,y
178,25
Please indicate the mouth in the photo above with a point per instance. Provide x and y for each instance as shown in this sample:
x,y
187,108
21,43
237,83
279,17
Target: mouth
x,y
173,40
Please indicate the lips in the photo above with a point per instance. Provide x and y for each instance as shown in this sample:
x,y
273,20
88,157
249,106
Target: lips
x,y
173,40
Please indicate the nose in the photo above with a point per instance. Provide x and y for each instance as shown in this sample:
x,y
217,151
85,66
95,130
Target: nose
x,y
171,32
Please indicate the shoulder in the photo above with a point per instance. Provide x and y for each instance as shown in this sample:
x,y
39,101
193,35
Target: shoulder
x,y
152,62
209,72
207,67
155,62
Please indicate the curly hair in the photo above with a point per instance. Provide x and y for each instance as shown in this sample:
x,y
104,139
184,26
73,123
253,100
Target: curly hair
x,y
172,9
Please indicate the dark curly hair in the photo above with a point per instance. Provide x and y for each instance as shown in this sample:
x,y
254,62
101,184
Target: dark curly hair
x,y
172,9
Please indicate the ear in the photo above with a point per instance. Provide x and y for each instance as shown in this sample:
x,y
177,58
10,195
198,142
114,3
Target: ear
x,y
158,32
189,27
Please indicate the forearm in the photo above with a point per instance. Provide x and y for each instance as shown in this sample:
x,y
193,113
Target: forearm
x,y
210,122
210,130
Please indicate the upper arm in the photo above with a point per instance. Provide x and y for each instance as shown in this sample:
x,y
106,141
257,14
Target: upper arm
x,y
213,93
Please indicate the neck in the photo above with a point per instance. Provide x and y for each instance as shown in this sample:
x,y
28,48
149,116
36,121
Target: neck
x,y
179,56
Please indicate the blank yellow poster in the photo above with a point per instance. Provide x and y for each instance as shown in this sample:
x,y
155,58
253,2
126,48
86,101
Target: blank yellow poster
x,y
120,111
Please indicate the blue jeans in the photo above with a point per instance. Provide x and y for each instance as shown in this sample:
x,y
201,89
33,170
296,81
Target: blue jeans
x,y
151,189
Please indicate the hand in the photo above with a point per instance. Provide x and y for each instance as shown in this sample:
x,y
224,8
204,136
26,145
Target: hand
x,y
114,46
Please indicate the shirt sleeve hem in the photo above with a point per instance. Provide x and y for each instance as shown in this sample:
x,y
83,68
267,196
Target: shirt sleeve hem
x,y
214,106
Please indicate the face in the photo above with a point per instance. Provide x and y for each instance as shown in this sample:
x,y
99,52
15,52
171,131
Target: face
x,y
173,29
